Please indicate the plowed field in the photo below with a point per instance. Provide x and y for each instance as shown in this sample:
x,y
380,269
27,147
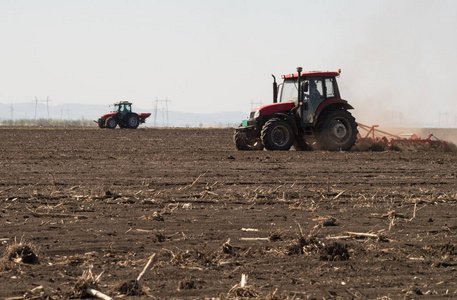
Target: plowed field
x,y
300,225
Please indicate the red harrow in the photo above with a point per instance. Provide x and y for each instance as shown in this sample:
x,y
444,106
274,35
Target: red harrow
x,y
389,140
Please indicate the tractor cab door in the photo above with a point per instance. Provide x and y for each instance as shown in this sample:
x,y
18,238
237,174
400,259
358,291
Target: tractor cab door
x,y
313,95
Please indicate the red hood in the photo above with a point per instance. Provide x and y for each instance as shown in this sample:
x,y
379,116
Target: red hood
x,y
106,116
275,107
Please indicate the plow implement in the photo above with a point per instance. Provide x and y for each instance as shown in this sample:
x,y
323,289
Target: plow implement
x,y
386,141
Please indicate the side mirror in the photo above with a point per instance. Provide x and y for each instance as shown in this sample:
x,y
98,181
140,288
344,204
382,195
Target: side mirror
x,y
305,87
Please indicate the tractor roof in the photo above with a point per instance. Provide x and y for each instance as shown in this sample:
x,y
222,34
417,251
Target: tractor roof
x,y
122,102
312,74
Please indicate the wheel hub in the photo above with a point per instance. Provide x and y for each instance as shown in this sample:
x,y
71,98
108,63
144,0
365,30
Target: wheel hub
x,y
280,135
338,130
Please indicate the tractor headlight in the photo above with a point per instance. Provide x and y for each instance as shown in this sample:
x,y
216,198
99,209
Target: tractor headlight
x,y
257,114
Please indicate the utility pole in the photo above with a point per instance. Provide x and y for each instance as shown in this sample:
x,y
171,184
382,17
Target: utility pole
x,y
42,101
161,105
11,111
64,110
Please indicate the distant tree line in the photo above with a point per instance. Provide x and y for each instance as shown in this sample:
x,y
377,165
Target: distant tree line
x,y
88,123
48,122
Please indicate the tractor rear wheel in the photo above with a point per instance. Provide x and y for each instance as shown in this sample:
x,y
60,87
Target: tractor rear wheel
x,y
242,143
277,134
111,123
132,121
336,130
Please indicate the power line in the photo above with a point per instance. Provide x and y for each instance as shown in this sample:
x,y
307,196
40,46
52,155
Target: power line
x,y
11,111
42,101
161,105
64,110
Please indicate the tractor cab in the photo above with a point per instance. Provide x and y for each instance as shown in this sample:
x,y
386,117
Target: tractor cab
x,y
122,108
316,88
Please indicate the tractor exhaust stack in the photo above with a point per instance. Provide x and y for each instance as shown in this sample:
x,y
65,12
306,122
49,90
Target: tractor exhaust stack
x,y
299,70
275,90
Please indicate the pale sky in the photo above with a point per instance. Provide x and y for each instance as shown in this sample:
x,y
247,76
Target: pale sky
x,y
397,57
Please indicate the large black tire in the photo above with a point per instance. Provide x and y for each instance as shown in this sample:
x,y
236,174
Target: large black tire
x,y
243,144
277,134
111,123
132,121
336,130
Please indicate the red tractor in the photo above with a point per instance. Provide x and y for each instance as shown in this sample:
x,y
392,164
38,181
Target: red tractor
x,y
123,116
310,115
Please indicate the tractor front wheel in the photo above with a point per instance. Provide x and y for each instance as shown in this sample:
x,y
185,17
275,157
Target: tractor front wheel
x,y
277,134
111,123
101,123
336,130
133,121
243,143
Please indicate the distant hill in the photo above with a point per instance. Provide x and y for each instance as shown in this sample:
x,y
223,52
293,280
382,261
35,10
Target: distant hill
x,y
72,111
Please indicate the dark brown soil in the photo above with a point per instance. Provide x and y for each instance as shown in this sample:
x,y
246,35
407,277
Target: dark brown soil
x,y
291,221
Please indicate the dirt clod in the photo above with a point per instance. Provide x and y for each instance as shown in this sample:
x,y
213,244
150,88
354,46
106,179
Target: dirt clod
x,y
334,252
130,288
186,284
21,253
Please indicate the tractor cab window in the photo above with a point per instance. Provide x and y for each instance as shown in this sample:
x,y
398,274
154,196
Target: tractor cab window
x,y
312,89
289,91
126,108
331,89
123,108
315,92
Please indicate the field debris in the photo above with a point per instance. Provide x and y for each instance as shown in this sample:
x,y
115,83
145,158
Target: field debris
x,y
324,291
242,289
133,287
57,215
87,285
21,253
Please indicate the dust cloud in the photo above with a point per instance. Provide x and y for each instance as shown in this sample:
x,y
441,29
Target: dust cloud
x,y
401,67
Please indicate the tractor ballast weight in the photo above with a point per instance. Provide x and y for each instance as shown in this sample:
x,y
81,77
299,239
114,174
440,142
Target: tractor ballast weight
x,y
310,115
123,116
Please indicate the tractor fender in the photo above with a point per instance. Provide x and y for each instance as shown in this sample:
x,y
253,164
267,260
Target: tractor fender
x,y
286,118
332,104
106,116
